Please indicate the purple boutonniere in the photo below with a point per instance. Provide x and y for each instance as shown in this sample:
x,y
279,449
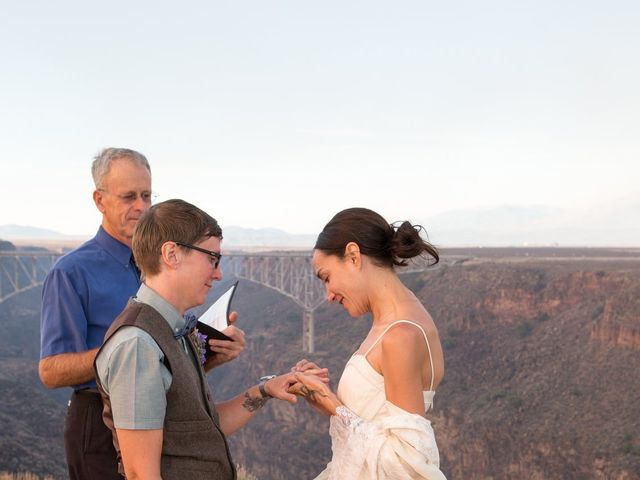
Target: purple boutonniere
x,y
200,342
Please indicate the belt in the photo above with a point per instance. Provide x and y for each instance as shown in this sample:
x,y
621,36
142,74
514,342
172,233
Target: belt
x,y
85,396
87,391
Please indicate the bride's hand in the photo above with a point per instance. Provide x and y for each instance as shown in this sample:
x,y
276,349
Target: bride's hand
x,y
316,392
310,368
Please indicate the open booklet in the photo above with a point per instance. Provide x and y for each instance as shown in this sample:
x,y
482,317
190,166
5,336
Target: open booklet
x,y
216,318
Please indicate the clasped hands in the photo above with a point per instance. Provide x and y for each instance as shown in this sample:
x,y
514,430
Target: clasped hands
x,y
313,384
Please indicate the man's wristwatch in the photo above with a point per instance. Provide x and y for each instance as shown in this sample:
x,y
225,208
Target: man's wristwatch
x,y
261,384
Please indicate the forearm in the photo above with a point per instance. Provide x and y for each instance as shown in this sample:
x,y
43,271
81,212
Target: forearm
x,y
235,413
66,369
141,453
239,410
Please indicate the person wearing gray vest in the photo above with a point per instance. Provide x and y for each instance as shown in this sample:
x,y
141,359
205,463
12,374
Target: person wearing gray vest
x,y
156,400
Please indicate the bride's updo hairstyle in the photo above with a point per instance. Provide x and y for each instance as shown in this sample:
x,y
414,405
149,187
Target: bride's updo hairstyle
x,y
386,244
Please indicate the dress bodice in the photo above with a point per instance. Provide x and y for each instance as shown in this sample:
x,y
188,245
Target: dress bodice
x,y
361,388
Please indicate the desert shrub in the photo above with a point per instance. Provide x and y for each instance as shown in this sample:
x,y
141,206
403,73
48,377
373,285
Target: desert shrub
x,y
597,312
542,317
482,400
453,331
449,343
414,284
630,448
541,283
524,329
514,400
499,394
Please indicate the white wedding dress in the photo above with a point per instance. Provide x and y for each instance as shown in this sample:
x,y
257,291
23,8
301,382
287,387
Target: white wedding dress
x,y
371,438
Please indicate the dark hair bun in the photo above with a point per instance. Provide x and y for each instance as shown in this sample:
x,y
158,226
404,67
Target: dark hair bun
x,y
407,243
385,243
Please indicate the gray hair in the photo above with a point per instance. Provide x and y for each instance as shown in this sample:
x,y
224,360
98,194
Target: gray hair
x,y
102,162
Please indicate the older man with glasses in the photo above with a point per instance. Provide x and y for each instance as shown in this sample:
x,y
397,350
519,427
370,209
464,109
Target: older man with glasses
x,y
82,295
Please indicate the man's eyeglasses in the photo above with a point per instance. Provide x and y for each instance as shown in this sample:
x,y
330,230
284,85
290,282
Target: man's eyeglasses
x,y
215,256
131,197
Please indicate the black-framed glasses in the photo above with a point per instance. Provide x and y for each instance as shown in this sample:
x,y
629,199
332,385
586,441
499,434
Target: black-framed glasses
x,y
215,256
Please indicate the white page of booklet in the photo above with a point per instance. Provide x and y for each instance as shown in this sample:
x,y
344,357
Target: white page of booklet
x,y
216,314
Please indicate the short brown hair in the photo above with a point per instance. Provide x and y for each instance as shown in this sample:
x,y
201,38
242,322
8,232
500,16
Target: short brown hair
x,y
169,221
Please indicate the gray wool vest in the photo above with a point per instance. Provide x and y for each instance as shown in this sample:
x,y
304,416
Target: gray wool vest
x,y
193,445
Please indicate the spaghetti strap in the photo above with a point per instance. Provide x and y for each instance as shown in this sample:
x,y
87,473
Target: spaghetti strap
x,y
425,339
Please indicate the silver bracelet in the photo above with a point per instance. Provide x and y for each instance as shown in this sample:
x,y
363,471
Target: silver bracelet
x,y
263,380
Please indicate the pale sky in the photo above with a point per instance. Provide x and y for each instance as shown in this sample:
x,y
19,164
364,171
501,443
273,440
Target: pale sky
x,y
281,113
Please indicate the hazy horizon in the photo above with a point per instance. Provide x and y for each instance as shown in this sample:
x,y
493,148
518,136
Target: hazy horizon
x,y
499,226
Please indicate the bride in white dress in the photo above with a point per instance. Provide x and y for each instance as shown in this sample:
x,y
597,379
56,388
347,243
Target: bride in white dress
x,y
378,425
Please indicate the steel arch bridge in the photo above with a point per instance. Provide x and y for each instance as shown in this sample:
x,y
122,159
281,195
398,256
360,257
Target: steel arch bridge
x,y
290,274
22,271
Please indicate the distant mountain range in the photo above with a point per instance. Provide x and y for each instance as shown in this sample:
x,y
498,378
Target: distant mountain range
x,y
537,226
17,232
505,225
269,237
233,236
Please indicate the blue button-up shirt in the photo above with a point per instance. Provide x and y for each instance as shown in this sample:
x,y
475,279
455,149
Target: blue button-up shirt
x,y
82,295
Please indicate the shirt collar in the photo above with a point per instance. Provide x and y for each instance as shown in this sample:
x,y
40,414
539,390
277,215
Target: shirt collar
x,y
149,297
115,248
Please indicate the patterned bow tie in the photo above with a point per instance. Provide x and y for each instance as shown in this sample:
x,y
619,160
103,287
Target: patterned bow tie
x,y
190,324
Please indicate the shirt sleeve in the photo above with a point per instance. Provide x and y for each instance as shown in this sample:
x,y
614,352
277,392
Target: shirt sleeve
x,y
63,323
397,445
133,374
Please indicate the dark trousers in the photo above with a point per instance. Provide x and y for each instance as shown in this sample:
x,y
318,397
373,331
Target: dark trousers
x,y
88,442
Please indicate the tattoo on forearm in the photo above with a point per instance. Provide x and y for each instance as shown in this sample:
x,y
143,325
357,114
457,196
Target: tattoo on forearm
x,y
253,403
311,394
